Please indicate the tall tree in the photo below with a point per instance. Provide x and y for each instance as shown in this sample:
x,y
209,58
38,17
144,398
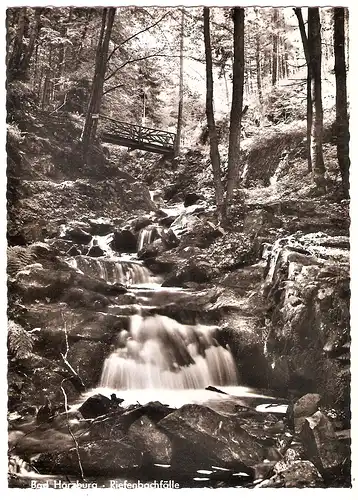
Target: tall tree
x,y
306,51
342,120
181,86
315,50
94,106
27,32
236,105
274,46
214,149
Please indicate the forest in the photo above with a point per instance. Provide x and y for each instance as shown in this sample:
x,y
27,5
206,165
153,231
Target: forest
x,y
178,247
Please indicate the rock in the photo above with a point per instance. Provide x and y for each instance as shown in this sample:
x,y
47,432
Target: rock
x,y
305,407
124,241
100,458
191,199
296,474
148,438
78,235
95,251
101,227
168,220
305,282
73,251
152,250
78,297
95,406
141,223
217,436
196,270
184,223
86,357
322,447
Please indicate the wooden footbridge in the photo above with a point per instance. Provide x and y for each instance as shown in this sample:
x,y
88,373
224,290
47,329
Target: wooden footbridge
x,y
136,136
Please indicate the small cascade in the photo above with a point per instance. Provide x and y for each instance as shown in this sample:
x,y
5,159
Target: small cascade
x,y
103,242
158,352
147,235
113,270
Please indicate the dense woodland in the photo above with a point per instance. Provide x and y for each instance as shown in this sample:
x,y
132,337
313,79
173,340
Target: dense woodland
x,y
138,70
233,241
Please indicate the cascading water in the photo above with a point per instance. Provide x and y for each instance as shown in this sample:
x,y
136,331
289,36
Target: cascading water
x,y
147,235
160,353
113,270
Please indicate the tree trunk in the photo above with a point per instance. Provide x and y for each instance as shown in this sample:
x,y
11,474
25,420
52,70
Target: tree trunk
x,y
236,105
18,47
258,68
214,149
274,47
47,84
306,50
181,88
94,106
342,120
314,44
35,31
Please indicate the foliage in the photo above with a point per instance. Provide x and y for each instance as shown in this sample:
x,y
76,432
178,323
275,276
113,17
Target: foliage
x,y
285,104
20,343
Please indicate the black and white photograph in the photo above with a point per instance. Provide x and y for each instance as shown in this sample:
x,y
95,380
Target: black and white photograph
x,y
178,247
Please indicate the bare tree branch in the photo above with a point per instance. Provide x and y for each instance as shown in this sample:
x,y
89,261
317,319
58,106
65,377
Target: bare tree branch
x,y
70,431
136,34
112,88
157,54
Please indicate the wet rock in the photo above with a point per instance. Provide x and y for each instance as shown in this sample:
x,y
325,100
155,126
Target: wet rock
x,y
99,458
152,250
168,220
86,358
78,297
78,235
95,251
305,407
95,406
322,447
124,241
100,227
73,251
141,223
295,474
219,437
191,199
148,438
196,270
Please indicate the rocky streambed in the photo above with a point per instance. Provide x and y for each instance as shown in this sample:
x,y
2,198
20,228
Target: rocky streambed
x,y
270,301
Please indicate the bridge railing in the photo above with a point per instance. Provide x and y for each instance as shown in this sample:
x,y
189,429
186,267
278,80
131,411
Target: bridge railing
x,y
140,134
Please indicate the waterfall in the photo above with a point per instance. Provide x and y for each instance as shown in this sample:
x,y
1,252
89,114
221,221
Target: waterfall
x,y
160,353
147,235
113,271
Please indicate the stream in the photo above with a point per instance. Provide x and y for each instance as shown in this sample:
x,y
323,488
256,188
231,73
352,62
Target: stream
x,y
156,359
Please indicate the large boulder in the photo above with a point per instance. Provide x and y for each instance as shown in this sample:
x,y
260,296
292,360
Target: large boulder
x,y
124,240
95,406
294,474
321,445
219,437
99,458
86,357
152,441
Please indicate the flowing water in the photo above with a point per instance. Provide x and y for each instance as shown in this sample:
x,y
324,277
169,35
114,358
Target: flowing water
x,y
160,353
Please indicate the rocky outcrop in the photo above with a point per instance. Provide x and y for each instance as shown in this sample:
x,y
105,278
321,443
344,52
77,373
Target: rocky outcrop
x,y
307,289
